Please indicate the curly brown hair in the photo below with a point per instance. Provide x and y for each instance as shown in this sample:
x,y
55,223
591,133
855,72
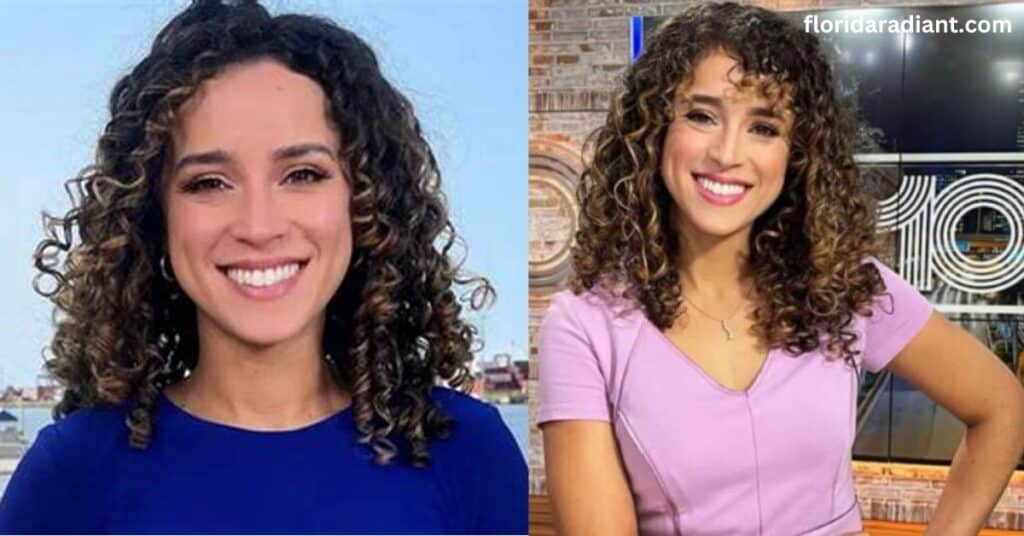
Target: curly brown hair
x,y
807,250
124,333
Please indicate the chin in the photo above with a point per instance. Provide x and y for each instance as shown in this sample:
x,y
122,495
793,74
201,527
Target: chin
x,y
717,225
263,332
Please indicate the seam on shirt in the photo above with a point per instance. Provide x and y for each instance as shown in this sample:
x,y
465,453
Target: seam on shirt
x,y
654,470
851,413
757,466
626,367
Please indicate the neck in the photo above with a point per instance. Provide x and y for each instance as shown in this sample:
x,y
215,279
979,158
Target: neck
x,y
713,267
280,386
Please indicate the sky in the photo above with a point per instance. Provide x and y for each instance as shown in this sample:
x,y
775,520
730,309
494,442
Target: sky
x,y
463,63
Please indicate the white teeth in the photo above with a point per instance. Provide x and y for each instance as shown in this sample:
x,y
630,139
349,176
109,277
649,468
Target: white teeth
x,y
263,278
719,187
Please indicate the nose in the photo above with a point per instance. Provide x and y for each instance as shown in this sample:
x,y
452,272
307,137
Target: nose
x,y
260,218
725,147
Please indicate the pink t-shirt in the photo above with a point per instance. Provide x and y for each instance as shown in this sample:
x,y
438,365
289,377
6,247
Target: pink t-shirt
x,y
704,459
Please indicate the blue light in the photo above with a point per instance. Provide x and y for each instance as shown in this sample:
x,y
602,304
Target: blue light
x,y
636,36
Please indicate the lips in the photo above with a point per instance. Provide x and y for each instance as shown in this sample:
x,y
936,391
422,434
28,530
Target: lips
x,y
264,279
719,189
723,179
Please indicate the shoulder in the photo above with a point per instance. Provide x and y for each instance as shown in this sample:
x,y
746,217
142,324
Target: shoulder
x,y
87,439
64,477
480,436
884,270
898,293
94,428
594,301
896,315
584,346
591,310
89,424
466,410
479,427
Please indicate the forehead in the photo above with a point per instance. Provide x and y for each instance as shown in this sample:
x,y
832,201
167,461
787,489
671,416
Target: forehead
x,y
720,75
257,103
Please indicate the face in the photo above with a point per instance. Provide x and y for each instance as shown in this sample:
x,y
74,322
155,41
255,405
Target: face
x,y
725,152
257,204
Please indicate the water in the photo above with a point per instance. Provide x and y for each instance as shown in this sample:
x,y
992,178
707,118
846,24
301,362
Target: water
x,y
32,420
516,417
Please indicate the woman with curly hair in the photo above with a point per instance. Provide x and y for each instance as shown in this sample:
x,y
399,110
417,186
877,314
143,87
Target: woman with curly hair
x,y
256,303
701,375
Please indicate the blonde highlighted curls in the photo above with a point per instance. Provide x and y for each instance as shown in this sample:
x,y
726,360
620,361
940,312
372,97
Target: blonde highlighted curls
x,y
393,330
807,251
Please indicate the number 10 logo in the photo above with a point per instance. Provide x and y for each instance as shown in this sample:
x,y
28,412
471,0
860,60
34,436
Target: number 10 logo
x,y
927,223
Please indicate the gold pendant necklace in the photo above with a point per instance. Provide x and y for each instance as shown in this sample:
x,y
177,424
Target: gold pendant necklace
x,y
728,332
724,322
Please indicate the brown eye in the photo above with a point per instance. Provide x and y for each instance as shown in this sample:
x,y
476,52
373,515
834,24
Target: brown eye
x,y
701,117
204,184
765,130
305,176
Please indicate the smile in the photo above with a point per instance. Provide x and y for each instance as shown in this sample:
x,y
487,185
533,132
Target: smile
x,y
263,278
266,282
720,192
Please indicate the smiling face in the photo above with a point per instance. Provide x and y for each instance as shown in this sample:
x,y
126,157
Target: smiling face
x,y
257,204
725,152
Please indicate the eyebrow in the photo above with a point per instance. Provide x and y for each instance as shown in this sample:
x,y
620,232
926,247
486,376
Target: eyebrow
x,y
717,103
220,156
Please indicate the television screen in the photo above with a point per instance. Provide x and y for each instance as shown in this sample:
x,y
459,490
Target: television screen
x,y
964,92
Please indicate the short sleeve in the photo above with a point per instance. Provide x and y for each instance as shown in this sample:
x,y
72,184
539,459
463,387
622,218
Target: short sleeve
x,y
897,315
572,385
41,496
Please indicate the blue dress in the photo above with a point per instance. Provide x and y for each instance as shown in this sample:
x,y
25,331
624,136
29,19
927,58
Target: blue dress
x,y
81,476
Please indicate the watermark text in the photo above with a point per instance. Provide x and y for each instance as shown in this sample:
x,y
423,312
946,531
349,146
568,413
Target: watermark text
x,y
908,24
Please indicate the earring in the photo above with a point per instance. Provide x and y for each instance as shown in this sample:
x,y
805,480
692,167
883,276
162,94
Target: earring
x,y
169,278
163,269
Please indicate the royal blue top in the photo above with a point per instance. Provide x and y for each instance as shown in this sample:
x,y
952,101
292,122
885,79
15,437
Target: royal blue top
x,y
81,476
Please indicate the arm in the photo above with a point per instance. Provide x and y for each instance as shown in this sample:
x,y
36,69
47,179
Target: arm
x,y
586,480
587,483
959,373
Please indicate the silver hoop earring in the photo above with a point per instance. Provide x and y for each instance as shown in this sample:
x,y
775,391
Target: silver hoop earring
x,y
163,269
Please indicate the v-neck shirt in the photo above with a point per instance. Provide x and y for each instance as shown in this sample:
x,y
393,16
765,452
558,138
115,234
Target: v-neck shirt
x,y
686,357
702,458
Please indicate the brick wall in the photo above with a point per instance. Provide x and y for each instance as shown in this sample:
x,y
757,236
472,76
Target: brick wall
x,y
577,49
908,493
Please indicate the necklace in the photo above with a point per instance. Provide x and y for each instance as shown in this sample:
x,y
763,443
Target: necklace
x,y
723,321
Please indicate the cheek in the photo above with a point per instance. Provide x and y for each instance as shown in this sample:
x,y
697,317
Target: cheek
x,y
329,218
335,227
772,163
190,227
681,153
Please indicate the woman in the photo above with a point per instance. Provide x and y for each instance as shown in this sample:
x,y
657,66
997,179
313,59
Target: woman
x,y
256,305
701,376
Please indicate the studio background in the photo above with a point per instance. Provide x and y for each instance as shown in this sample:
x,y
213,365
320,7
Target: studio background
x,y
461,62
938,108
